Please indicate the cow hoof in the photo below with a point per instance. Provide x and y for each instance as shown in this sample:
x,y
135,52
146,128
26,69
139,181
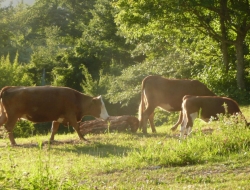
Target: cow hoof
x,y
15,145
51,141
85,140
173,128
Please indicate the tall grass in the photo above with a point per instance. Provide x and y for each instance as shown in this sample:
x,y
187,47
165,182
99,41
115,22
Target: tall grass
x,y
77,165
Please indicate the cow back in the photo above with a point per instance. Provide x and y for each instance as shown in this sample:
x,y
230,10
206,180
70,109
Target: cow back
x,y
43,103
160,90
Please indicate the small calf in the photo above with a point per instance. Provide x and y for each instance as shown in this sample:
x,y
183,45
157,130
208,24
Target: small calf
x,y
208,106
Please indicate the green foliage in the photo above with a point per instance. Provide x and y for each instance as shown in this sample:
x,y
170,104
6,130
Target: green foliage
x,y
62,75
126,87
100,46
121,157
144,22
44,55
13,74
230,139
217,80
121,42
89,85
24,129
222,83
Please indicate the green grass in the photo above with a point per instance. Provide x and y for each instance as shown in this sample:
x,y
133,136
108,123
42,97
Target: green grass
x,y
216,156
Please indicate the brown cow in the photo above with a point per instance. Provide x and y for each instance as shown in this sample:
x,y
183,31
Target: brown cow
x,y
46,103
167,94
206,107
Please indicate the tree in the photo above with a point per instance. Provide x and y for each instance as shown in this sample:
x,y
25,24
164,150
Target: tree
x,y
98,49
100,45
13,74
225,21
6,32
56,25
234,24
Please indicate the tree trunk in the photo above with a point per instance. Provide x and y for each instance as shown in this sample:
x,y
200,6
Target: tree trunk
x,y
118,123
224,50
240,64
224,45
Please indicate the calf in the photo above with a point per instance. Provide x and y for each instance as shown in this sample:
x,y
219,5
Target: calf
x,y
207,107
47,103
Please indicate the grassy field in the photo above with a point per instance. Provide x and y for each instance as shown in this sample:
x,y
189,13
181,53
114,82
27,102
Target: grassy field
x,y
216,156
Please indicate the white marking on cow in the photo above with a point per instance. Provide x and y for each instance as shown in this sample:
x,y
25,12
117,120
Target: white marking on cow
x,y
145,98
187,130
3,115
166,107
104,114
24,117
193,117
60,120
183,124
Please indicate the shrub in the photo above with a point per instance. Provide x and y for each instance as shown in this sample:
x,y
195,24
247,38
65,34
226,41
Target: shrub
x,y
222,83
24,129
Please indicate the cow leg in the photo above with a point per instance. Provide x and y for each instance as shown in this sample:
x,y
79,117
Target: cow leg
x,y
184,125
9,126
75,125
190,124
178,122
3,118
145,116
54,129
151,121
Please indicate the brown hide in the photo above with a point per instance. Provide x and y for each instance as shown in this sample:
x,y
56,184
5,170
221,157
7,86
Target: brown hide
x,y
206,107
157,91
47,103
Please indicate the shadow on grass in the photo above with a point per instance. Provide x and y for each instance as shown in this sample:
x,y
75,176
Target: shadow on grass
x,y
96,141
98,146
149,135
93,148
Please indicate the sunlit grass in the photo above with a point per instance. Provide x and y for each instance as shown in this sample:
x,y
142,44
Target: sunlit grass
x,y
215,156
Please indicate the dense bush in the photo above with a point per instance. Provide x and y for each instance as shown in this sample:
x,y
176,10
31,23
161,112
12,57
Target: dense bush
x,y
223,83
13,74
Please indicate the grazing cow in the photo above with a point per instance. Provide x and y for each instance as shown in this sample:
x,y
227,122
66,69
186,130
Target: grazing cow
x,y
157,91
206,107
46,103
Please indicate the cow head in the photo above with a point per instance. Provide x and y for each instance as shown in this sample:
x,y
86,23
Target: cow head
x,y
98,108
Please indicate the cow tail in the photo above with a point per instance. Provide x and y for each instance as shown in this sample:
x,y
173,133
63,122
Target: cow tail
x,y
142,105
3,114
1,94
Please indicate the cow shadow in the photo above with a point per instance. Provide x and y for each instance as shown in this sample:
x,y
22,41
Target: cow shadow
x,y
171,135
95,147
91,147
78,144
